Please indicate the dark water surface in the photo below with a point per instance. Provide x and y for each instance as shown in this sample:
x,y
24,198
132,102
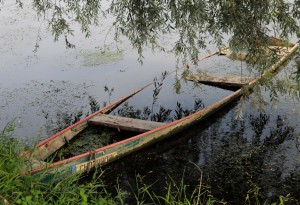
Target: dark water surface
x,y
257,155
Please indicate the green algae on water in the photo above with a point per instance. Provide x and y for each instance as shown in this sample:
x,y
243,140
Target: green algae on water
x,y
95,58
91,139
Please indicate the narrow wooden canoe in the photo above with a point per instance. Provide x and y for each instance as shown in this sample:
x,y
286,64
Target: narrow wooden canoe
x,y
152,132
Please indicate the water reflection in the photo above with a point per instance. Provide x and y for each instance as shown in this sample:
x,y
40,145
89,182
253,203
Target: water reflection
x,y
65,118
162,115
237,166
240,159
96,137
250,167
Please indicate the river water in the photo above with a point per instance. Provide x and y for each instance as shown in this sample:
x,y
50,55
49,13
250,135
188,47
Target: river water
x,y
42,90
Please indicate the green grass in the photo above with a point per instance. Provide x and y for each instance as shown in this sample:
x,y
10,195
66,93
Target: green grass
x,y
32,190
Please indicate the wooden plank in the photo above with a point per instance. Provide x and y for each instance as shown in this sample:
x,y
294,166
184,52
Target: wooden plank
x,y
53,143
124,123
273,41
226,81
34,163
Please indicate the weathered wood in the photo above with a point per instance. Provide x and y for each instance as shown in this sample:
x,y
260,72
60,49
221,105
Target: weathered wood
x,y
52,144
34,163
242,56
273,46
124,123
273,41
109,153
226,81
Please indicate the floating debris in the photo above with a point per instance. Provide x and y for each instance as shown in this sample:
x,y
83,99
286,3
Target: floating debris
x,y
102,57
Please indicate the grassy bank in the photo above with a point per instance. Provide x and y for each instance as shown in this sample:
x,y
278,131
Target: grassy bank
x,y
29,190
16,189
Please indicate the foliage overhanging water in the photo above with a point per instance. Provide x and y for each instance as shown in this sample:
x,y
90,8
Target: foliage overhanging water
x,y
257,155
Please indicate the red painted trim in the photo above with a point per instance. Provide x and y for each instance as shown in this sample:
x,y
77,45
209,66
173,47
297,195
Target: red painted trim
x,y
227,98
103,110
134,137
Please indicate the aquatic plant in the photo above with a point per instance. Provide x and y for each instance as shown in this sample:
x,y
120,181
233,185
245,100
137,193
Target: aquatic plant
x,y
101,57
158,84
109,92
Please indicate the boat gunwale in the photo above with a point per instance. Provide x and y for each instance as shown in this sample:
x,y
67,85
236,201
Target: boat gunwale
x,y
233,95
104,110
139,135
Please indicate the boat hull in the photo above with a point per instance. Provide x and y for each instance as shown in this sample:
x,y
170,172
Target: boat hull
x,y
102,156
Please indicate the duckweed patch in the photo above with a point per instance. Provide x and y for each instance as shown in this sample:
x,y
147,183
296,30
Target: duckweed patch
x,y
95,58
92,138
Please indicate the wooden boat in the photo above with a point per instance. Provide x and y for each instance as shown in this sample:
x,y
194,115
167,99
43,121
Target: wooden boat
x,y
151,132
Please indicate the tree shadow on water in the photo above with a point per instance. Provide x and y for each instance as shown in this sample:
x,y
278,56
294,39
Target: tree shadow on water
x,y
244,169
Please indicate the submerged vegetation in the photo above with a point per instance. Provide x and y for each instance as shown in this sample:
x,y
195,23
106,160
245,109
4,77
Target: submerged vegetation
x,y
101,57
90,139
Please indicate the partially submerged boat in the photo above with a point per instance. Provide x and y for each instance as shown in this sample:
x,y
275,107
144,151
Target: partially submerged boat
x,y
150,132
